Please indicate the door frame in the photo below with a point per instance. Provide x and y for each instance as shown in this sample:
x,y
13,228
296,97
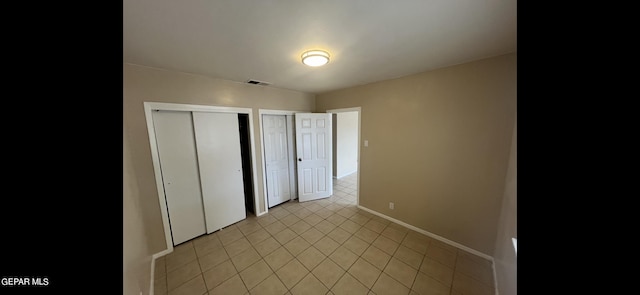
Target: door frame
x,y
290,144
149,107
359,110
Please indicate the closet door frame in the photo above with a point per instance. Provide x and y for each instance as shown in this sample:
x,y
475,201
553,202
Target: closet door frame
x,y
149,107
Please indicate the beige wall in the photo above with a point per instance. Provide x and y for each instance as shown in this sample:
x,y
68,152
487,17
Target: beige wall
x,y
155,85
506,263
136,258
439,146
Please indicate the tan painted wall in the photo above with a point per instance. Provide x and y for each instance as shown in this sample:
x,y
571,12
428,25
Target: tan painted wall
x,y
505,259
136,258
438,146
155,85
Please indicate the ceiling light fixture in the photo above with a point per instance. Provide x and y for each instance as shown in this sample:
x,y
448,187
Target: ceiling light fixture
x,y
315,58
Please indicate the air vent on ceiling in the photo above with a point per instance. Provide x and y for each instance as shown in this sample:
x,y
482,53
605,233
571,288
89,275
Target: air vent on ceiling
x,y
256,82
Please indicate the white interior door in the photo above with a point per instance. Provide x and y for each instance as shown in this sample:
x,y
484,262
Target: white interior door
x,y
220,161
313,146
276,158
180,175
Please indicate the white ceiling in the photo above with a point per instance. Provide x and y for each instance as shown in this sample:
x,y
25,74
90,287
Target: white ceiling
x,y
369,40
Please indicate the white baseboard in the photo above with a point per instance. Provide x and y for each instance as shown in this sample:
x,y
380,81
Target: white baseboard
x,y
495,275
153,267
346,174
439,238
432,235
153,275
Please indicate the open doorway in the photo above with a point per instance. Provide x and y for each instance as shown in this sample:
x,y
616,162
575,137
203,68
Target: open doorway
x,y
347,185
346,152
245,148
345,144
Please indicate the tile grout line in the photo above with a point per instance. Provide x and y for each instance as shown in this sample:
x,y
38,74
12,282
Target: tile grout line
x,y
327,256
166,276
392,256
244,283
400,244
381,271
418,270
285,248
252,247
231,261
455,265
261,258
167,273
438,262
360,256
200,267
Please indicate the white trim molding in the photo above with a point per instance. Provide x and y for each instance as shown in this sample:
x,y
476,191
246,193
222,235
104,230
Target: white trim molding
x,y
153,267
495,275
426,233
441,239
153,276
346,174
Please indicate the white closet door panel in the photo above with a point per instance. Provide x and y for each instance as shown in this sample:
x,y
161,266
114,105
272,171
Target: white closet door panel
x,y
276,159
180,176
220,162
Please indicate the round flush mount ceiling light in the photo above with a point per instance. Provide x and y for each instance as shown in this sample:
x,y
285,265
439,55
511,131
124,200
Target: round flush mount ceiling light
x,y
315,58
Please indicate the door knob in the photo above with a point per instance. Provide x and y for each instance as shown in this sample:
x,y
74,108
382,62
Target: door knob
x,y
300,159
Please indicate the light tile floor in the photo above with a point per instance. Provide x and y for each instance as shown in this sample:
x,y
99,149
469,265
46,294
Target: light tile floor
x,y
327,246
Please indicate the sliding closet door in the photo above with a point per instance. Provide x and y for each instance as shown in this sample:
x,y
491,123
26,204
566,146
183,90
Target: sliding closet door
x,y
177,152
220,162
